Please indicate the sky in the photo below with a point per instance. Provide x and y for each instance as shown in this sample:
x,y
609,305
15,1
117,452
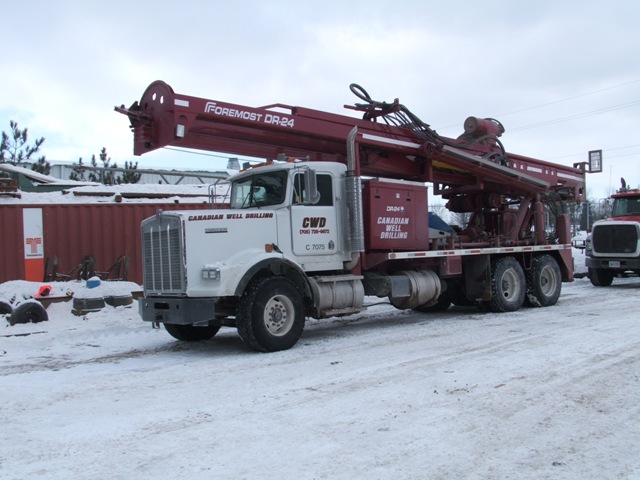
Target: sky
x,y
562,77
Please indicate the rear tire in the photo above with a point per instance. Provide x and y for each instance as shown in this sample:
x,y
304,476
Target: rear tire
x,y
191,333
270,315
508,285
459,298
442,305
601,277
544,282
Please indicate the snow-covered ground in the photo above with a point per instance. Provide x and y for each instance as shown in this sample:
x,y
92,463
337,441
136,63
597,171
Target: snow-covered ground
x,y
549,393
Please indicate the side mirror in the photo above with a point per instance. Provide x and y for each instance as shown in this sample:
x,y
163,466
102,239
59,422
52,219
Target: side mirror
x,y
310,195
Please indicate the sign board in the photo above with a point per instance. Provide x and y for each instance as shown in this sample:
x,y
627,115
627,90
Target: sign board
x,y
33,235
595,161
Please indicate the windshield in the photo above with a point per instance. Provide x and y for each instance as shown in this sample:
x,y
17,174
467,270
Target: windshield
x,y
626,206
260,190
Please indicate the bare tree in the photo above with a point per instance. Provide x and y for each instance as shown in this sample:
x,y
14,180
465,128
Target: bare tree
x,y
460,219
440,210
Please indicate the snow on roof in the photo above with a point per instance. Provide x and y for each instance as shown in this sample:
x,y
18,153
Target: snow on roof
x,y
40,177
124,193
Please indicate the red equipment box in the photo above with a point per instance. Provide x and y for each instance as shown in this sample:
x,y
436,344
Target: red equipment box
x,y
395,215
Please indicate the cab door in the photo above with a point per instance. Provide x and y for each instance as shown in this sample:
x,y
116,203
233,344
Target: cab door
x,y
314,227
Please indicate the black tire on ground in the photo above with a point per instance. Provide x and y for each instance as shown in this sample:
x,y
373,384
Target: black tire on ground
x,y
508,285
442,304
191,333
270,315
601,277
5,307
544,282
28,312
459,298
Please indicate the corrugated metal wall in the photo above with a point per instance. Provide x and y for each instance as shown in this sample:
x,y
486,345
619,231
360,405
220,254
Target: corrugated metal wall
x,y
71,231
11,243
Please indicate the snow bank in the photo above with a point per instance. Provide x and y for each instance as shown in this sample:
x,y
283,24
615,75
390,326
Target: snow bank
x,y
21,289
538,393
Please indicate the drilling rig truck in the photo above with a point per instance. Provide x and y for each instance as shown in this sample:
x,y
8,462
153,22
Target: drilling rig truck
x,y
338,211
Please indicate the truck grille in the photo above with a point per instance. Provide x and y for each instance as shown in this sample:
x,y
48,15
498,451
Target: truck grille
x,y
615,239
162,259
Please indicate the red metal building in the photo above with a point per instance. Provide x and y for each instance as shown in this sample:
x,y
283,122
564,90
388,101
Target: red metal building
x,y
34,235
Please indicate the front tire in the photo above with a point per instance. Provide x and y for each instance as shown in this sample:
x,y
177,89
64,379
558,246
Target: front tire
x,y
544,282
601,277
191,333
270,315
508,285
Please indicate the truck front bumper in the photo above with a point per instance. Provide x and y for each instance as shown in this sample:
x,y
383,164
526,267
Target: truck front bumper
x,y
180,311
613,263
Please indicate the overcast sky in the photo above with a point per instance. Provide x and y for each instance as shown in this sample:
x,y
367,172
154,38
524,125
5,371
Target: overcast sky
x,y
562,76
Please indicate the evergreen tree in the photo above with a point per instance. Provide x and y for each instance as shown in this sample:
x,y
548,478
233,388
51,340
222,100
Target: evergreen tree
x,y
103,176
41,166
107,175
14,149
78,172
129,176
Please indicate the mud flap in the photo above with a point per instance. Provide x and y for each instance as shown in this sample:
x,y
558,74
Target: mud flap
x,y
477,277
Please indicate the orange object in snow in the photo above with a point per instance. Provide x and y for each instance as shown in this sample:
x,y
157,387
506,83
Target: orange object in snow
x,y
44,291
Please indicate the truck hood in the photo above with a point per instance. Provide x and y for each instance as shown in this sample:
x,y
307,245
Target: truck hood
x,y
626,218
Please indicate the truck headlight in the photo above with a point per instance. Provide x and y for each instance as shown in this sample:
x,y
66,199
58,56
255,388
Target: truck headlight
x,y
210,273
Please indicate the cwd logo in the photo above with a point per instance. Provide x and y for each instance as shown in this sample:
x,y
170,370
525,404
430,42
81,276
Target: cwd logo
x,y
33,243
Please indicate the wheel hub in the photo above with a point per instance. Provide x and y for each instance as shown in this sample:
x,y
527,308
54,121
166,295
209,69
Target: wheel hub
x,y
278,315
547,281
509,285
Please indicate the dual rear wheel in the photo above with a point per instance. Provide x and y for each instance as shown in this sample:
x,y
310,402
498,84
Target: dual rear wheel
x,y
544,282
512,288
